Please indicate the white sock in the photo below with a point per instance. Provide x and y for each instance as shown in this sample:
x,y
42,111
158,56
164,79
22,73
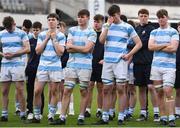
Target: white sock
x,y
81,117
88,109
62,117
144,112
71,106
177,110
99,109
59,105
156,110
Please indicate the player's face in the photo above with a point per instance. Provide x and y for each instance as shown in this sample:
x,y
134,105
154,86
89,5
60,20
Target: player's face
x,y
82,20
163,21
116,17
143,18
36,31
98,24
178,28
52,22
12,28
26,29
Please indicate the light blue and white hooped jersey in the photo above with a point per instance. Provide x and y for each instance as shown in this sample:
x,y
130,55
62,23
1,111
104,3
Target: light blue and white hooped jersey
x,y
30,35
81,38
25,56
130,42
163,59
11,43
117,40
49,60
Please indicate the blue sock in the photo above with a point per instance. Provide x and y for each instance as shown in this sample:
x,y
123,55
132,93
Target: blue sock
x,y
17,105
105,116
52,111
121,116
4,113
37,112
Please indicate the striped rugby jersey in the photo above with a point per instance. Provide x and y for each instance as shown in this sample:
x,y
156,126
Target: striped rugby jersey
x,y
49,60
81,38
12,42
117,41
163,59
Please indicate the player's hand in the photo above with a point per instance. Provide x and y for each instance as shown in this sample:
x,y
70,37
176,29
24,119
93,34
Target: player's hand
x,y
53,35
8,55
69,45
126,57
110,20
101,61
48,35
130,59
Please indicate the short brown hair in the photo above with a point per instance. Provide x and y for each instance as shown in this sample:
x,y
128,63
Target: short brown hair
x,y
84,12
161,13
178,24
8,22
113,9
53,15
62,24
37,24
131,22
99,17
143,11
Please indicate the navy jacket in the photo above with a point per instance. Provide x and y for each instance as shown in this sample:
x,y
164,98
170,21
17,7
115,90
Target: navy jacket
x,y
178,55
143,56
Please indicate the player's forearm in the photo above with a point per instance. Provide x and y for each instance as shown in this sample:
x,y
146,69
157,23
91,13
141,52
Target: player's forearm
x,y
102,37
58,48
22,51
81,49
40,48
170,49
1,54
156,47
135,49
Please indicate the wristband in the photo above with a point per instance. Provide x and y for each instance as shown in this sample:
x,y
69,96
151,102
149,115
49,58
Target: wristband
x,y
106,25
54,41
66,47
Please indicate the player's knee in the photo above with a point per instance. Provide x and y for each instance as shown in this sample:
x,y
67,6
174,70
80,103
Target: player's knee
x,y
67,92
132,92
120,90
37,92
99,89
107,90
84,92
151,88
5,92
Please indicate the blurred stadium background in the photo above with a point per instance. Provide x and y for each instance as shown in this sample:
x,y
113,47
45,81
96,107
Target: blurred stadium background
x,y
37,10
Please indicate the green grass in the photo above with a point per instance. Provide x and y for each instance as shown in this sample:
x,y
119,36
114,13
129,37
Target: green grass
x,y
71,121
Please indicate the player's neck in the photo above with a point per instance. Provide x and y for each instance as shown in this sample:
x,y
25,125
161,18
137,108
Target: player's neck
x,y
164,26
83,26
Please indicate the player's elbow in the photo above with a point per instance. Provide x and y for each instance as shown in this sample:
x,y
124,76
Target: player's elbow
x,y
38,51
150,47
140,44
173,49
101,40
60,53
86,50
27,50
